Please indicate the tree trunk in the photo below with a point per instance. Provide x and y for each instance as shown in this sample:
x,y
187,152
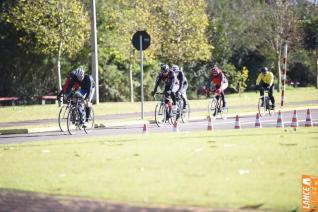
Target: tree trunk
x,y
317,70
59,66
279,71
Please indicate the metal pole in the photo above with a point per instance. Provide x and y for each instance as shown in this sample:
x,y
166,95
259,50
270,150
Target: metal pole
x,y
131,77
141,78
284,75
94,50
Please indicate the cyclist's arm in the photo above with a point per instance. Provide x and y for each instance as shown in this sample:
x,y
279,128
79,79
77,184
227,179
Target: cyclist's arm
x,y
271,81
159,78
258,80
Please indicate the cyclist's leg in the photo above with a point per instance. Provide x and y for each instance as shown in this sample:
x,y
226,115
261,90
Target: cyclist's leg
x,y
167,99
184,95
261,92
88,104
270,95
223,87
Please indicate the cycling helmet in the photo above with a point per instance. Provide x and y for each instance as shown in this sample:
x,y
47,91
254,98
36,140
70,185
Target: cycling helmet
x,y
215,71
264,70
175,68
164,67
79,73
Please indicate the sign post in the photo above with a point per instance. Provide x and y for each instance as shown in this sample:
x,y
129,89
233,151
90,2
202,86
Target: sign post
x,y
141,41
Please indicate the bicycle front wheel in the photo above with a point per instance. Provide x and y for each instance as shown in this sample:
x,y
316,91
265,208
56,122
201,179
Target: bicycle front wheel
x,y
62,120
212,107
73,121
90,123
160,114
261,108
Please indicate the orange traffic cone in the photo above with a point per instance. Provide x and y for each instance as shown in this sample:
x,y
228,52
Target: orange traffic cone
x,y
258,123
175,127
308,119
145,129
210,125
294,122
237,123
280,122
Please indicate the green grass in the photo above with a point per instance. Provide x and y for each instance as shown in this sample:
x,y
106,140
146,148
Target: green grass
x,y
222,169
246,100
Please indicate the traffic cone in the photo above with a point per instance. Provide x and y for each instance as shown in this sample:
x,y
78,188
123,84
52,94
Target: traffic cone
x,y
210,125
175,127
294,122
145,129
237,123
258,123
280,122
308,119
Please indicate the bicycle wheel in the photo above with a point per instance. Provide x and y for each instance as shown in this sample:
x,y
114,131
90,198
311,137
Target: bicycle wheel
x,y
261,108
212,107
185,114
73,120
62,120
90,124
160,114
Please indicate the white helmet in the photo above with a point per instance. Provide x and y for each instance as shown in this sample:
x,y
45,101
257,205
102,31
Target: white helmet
x,y
79,72
175,68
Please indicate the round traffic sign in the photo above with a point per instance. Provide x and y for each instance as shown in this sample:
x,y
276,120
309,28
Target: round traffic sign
x,y
145,40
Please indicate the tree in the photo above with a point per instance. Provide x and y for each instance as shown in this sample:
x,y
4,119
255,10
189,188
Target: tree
x,y
55,27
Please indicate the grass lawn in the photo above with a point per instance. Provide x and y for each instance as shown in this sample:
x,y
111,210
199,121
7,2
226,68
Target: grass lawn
x,y
247,100
223,169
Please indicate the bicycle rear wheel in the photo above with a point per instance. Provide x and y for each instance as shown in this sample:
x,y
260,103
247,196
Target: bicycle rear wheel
x,y
160,114
212,107
185,114
90,123
73,121
62,120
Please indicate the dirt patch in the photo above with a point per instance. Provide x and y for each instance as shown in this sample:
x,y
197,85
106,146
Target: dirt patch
x,y
15,201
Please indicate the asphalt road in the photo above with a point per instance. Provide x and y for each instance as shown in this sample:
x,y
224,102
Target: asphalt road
x,y
197,125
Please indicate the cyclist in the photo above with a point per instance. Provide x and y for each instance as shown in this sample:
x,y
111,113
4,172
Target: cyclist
x,y
84,85
265,81
183,84
218,79
171,84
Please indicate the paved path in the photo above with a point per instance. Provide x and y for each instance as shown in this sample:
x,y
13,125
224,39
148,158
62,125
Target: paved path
x,y
135,115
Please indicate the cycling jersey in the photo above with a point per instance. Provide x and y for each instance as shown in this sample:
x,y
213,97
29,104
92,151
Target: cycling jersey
x,y
220,81
182,80
170,81
267,78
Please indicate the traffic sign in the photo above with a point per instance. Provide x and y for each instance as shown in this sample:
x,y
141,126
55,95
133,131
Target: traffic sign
x,y
145,40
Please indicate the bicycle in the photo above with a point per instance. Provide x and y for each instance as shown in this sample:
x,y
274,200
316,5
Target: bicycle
x,y
264,105
184,112
70,115
164,113
215,106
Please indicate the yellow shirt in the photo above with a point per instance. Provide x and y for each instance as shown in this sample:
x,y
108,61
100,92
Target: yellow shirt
x,y
268,78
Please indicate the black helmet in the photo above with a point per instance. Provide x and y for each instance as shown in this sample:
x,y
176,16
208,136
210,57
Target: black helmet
x,y
164,67
264,69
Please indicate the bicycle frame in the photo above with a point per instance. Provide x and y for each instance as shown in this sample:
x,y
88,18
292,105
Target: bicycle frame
x,y
215,107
